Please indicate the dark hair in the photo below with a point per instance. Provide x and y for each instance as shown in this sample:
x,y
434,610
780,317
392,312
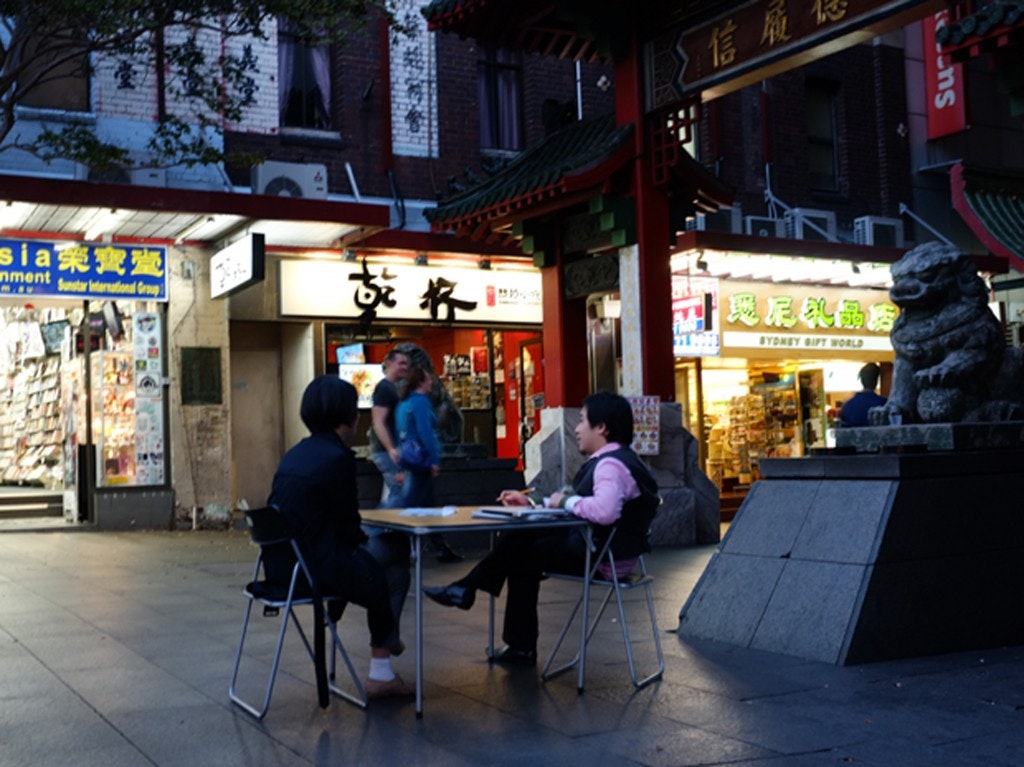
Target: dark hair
x,y
396,352
327,403
614,412
868,375
413,380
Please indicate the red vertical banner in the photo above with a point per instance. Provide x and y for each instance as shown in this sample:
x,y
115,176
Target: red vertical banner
x,y
944,83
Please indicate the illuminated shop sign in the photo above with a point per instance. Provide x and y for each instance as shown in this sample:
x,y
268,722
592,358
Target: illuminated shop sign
x,y
83,270
799,318
694,305
370,292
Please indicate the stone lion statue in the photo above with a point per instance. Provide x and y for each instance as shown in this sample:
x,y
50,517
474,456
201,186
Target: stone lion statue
x,y
952,363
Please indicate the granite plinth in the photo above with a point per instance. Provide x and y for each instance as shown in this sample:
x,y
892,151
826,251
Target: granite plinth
x,y
863,558
933,436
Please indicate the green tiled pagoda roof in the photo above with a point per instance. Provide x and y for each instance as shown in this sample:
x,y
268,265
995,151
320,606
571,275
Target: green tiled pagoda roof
x,y
575,158
992,205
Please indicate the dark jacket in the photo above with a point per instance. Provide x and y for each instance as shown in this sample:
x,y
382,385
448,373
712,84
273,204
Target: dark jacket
x,y
315,489
631,539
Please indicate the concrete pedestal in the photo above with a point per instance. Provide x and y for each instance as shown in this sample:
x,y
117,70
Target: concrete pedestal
x,y
861,558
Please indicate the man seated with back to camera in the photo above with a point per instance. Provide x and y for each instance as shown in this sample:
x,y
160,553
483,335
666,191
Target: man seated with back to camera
x,y
613,490
314,488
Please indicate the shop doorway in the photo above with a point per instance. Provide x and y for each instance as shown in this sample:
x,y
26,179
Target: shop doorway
x,y
256,424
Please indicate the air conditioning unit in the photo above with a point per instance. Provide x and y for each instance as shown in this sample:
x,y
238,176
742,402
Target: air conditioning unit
x,y
805,223
723,220
85,173
763,226
697,223
877,230
149,177
290,179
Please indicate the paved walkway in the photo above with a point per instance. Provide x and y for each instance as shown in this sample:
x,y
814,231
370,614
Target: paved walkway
x,y
116,649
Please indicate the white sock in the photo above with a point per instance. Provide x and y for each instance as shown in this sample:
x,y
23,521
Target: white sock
x,y
380,669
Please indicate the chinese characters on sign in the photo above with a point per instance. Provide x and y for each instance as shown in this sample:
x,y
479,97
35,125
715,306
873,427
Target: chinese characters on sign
x,y
725,53
781,313
35,268
372,292
413,84
806,317
646,424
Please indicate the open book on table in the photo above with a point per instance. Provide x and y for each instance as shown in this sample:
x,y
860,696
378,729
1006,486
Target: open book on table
x,y
519,512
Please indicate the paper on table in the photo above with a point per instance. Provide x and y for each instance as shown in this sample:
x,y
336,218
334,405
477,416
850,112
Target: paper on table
x,y
444,511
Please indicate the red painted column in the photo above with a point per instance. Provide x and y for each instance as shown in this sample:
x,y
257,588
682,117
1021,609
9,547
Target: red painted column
x,y
566,377
653,237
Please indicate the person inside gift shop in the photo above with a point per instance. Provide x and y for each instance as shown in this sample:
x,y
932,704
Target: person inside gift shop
x,y
314,488
855,411
614,489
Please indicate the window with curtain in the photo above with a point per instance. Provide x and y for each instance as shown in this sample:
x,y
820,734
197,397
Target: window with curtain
x,y
304,81
823,164
499,91
63,86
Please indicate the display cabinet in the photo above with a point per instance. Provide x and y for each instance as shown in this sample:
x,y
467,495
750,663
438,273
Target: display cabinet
x,y
113,377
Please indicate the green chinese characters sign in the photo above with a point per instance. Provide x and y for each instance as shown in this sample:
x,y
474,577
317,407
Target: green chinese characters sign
x,y
797,319
83,270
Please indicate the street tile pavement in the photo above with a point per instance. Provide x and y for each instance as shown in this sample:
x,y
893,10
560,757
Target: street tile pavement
x,y
116,649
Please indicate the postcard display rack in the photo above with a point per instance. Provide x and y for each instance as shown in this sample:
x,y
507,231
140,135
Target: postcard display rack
x,y
30,426
128,422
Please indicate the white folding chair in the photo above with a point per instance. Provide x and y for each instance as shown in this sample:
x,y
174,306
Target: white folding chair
x,y
614,585
280,591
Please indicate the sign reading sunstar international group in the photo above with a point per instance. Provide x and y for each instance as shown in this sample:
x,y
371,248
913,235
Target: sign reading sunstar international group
x,y
83,270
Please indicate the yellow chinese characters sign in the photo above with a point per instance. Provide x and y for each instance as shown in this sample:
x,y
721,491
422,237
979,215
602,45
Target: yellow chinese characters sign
x,y
86,270
780,320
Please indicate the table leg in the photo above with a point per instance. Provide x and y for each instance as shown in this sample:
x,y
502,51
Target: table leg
x,y
490,615
585,617
418,586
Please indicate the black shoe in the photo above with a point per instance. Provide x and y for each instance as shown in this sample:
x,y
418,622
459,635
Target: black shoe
x,y
452,596
445,553
514,657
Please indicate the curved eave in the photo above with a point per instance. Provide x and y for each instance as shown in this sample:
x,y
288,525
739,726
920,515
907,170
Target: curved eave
x,y
565,191
993,207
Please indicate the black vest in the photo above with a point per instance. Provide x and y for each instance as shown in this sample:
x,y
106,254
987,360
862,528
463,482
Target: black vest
x,y
631,538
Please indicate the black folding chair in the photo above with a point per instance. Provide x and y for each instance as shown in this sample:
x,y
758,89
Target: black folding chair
x,y
614,584
283,587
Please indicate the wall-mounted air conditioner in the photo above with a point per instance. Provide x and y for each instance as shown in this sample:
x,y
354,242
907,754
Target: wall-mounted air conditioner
x,y
877,230
723,220
696,223
290,179
763,226
810,224
149,177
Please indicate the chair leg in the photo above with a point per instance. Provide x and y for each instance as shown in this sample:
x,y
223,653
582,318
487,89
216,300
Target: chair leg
x,y
338,648
259,713
545,673
629,646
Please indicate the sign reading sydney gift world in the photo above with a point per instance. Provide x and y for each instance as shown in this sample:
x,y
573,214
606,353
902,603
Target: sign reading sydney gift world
x,y
83,270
